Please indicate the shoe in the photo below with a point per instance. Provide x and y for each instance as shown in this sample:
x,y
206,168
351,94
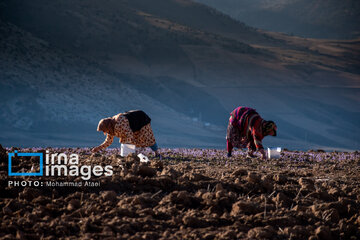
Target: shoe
x,y
229,154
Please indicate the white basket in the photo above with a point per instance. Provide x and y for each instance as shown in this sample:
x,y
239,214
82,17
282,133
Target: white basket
x,y
273,152
126,149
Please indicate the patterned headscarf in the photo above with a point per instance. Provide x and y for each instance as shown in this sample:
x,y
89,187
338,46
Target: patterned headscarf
x,y
268,127
106,125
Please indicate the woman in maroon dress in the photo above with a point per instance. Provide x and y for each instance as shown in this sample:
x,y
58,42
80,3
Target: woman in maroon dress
x,y
247,129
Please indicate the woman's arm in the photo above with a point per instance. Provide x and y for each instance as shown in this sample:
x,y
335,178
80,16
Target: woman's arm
x,y
108,141
257,138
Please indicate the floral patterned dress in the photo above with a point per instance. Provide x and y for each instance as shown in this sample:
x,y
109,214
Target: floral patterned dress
x,y
142,138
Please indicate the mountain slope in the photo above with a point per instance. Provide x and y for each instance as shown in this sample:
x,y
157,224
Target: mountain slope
x,y
52,97
308,18
155,58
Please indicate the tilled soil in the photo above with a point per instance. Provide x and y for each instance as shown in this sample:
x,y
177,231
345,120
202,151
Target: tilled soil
x,y
189,194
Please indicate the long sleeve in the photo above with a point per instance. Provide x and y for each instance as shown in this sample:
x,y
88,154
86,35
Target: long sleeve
x,y
257,137
254,134
108,141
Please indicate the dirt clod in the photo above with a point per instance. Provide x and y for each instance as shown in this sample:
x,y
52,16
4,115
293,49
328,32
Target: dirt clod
x,y
109,196
261,232
323,233
146,171
253,177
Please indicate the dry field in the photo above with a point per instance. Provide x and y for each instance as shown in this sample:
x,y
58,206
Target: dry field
x,y
190,194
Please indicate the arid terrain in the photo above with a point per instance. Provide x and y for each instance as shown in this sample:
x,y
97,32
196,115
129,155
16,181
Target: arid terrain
x,y
189,194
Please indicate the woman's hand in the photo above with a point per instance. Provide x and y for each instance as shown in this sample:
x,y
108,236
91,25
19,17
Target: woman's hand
x,y
263,154
250,154
95,149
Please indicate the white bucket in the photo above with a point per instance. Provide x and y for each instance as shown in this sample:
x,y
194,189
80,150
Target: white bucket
x,y
143,158
273,152
126,149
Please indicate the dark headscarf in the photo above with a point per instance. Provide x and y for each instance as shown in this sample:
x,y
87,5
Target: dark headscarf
x,y
268,127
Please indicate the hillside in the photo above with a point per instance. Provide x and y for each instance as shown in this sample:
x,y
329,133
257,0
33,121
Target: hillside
x,y
50,97
186,64
306,18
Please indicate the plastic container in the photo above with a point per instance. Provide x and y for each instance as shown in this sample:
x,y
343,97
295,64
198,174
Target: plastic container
x,y
273,152
126,149
143,158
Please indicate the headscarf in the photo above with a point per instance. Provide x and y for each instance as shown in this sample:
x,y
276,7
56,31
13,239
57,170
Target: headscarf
x,y
106,125
268,127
